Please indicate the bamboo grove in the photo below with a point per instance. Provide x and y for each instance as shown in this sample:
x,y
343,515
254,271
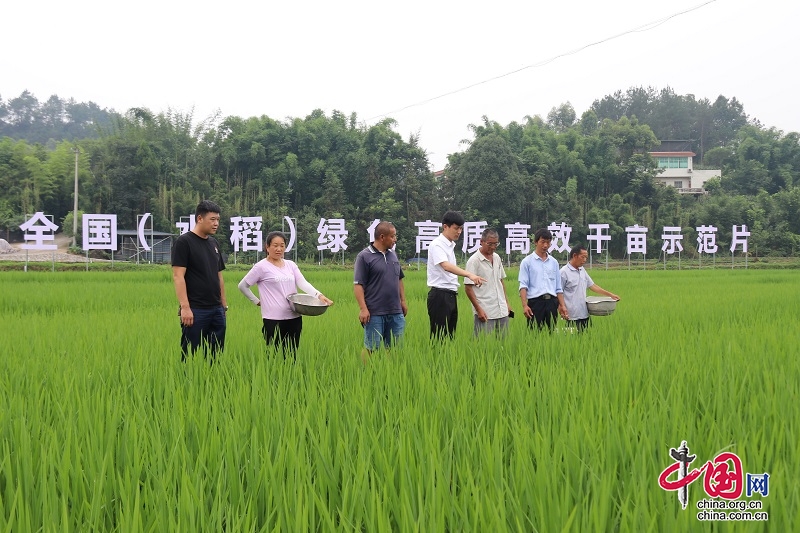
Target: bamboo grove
x,y
579,170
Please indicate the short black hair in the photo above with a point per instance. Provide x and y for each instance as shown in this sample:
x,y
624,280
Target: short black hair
x,y
452,217
542,233
383,228
576,250
205,207
271,235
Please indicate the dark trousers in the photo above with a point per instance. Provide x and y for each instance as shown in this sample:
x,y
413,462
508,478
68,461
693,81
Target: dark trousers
x,y
283,334
545,312
581,323
208,331
442,312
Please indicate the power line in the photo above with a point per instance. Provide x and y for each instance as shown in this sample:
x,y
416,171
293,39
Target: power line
x,y
639,29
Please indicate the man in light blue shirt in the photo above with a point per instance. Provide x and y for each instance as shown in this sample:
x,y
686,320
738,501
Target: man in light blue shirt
x,y
540,285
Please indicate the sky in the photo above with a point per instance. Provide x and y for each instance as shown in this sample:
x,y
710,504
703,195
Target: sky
x,y
435,66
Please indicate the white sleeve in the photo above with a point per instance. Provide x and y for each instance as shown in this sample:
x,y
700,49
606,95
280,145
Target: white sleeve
x,y
245,288
471,267
436,254
302,284
307,288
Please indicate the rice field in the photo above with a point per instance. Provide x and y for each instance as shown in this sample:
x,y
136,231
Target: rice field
x,y
102,428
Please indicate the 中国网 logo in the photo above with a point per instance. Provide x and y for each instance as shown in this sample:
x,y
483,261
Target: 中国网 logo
x,y
724,482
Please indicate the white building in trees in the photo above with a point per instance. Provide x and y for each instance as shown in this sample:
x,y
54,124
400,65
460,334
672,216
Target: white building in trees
x,y
674,158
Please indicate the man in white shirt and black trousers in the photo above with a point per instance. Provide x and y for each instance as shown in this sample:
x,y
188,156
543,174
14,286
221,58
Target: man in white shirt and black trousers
x,y
443,275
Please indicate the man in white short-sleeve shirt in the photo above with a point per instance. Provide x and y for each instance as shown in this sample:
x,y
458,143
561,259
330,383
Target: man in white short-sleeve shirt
x,y
489,303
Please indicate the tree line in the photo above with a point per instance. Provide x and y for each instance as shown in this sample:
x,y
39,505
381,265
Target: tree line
x,y
589,169
56,119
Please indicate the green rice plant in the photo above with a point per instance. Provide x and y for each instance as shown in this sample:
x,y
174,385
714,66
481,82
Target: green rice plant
x,y
103,428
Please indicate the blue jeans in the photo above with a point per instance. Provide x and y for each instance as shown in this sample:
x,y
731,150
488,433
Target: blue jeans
x,y
208,329
383,328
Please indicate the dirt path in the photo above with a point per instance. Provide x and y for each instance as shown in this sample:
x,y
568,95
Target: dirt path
x,y
60,255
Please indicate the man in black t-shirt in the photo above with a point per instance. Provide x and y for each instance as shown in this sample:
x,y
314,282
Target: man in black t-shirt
x,y
197,267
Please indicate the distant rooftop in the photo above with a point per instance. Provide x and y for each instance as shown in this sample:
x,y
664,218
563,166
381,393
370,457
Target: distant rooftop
x,y
673,146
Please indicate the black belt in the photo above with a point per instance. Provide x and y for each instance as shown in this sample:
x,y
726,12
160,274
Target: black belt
x,y
444,290
543,297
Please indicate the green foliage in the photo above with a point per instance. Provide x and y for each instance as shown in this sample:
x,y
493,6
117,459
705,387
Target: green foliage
x,y
24,117
9,221
67,224
561,118
672,116
330,166
488,182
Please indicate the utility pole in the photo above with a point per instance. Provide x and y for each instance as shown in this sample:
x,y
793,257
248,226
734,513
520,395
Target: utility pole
x,y
75,205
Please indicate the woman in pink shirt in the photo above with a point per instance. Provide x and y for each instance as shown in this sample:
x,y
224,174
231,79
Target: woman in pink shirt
x,y
276,279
